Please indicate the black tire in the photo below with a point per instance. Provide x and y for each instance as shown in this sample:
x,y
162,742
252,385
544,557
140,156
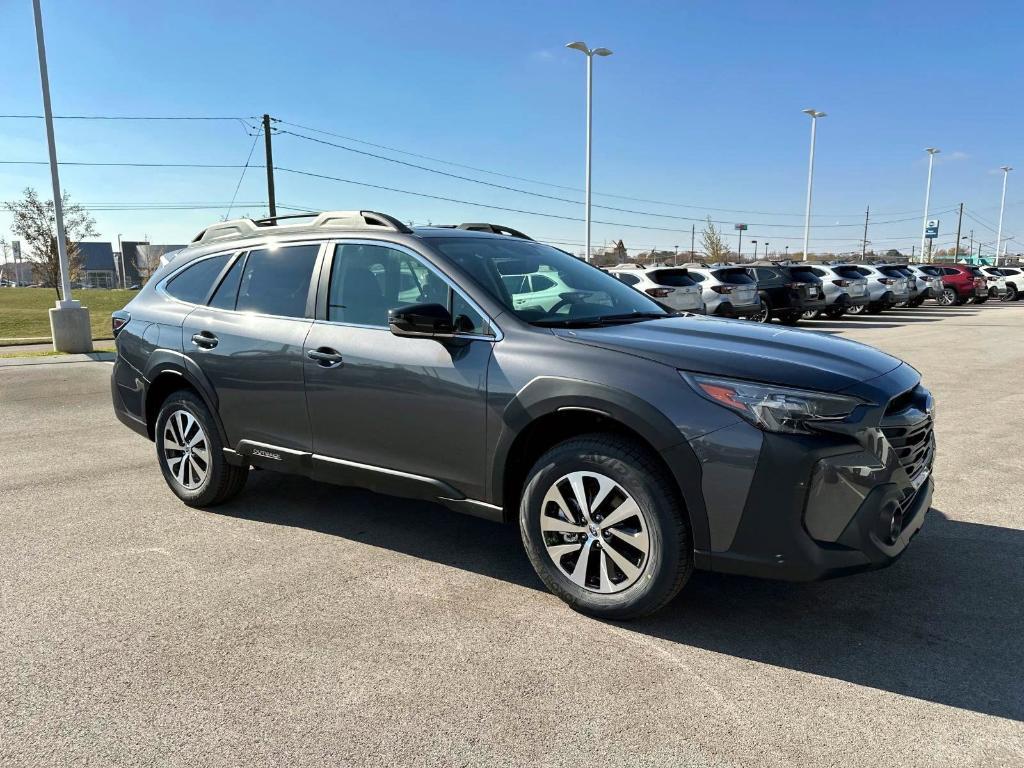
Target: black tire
x,y
1011,293
669,561
812,314
874,309
222,480
949,297
858,309
765,314
790,318
834,313
980,299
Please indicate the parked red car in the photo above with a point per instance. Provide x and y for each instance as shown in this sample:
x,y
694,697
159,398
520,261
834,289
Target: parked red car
x,y
961,283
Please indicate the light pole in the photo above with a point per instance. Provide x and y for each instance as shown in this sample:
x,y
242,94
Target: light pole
x,y
754,243
69,320
932,152
1002,204
766,249
815,114
590,54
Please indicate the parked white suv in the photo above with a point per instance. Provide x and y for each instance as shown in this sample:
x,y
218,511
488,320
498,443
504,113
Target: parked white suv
x,y
844,288
932,277
728,291
887,287
1014,282
671,286
996,282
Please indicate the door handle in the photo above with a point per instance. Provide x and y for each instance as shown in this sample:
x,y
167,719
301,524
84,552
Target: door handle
x,y
325,357
205,339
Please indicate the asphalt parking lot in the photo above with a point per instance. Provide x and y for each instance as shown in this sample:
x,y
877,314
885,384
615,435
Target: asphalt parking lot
x,y
306,624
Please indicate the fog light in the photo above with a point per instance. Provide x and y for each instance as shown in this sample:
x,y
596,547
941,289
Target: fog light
x,y
895,525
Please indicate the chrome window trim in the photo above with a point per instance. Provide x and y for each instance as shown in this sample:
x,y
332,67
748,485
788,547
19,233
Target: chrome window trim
x,y
335,242
161,287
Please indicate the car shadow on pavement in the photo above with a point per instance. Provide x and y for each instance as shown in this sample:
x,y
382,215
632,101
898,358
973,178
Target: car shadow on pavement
x,y
944,624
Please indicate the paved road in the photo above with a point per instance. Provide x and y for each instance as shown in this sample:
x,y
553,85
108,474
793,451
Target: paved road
x,y
306,624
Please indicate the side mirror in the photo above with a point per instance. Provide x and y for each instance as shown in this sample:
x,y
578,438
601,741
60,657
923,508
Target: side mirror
x,y
421,320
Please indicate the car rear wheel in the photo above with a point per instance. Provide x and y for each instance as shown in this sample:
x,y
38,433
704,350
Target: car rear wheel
x,y
834,313
191,454
1011,293
812,314
604,527
860,309
790,318
763,315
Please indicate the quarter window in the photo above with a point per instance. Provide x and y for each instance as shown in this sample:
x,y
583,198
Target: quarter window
x,y
275,281
628,279
194,283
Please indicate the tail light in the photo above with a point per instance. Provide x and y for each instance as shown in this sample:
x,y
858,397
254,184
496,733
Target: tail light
x,y
886,280
721,288
979,281
659,293
841,283
118,320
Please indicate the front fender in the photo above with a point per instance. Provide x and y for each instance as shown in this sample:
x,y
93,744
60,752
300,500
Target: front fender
x,y
547,395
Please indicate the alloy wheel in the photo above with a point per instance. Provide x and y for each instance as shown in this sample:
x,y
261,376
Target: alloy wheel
x,y
186,449
947,297
594,532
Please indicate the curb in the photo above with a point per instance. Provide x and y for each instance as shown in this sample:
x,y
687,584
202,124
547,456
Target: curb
x,y
90,357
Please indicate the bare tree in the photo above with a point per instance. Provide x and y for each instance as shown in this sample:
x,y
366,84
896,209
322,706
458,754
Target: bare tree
x,y
35,221
713,243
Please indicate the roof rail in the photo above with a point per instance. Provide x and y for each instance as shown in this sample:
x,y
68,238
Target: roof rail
x,y
497,229
340,219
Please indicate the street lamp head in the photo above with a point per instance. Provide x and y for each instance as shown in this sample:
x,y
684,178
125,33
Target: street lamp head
x,y
579,45
932,150
813,113
601,52
1006,169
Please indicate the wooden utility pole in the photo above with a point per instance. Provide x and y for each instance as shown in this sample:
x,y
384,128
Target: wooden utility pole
x,y
956,248
864,246
271,198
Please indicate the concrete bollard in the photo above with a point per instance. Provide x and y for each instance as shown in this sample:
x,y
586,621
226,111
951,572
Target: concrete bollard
x,y
70,329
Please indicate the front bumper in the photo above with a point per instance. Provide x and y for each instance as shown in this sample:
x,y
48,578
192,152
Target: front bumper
x,y
815,507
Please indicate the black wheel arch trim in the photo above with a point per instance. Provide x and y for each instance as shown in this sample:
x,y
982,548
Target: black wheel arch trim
x,y
165,361
546,395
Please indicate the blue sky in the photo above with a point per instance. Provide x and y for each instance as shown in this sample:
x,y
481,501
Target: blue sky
x,y
699,106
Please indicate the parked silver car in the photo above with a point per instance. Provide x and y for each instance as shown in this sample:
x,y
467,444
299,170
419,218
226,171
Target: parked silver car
x,y
887,287
672,286
845,287
931,276
728,291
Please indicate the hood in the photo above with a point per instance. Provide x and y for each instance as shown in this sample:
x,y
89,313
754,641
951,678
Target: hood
x,y
743,350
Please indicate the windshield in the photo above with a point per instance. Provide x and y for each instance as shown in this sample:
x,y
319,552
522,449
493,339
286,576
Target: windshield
x,y
544,285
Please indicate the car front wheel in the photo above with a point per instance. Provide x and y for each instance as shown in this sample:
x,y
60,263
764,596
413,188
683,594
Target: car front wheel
x,y
604,527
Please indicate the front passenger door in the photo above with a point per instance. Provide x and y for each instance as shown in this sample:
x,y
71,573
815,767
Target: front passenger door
x,y
402,415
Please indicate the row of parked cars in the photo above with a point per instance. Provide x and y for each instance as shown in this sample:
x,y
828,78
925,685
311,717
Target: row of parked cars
x,y
791,291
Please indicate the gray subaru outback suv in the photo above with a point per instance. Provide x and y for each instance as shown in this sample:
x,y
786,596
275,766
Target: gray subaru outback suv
x,y
631,445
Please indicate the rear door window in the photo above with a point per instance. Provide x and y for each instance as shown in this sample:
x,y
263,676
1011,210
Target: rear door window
x,y
672,278
227,291
275,281
195,282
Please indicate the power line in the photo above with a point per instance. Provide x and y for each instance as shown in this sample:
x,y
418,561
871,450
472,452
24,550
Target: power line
x,y
558,186
128,165
550,197
244,169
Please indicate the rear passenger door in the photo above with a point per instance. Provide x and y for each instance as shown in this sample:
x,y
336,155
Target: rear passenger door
x,y
401,415
248,341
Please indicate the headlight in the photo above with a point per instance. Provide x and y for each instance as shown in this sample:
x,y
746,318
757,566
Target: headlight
x,y
772,408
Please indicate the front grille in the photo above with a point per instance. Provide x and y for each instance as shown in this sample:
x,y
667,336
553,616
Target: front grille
x,y
914,445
